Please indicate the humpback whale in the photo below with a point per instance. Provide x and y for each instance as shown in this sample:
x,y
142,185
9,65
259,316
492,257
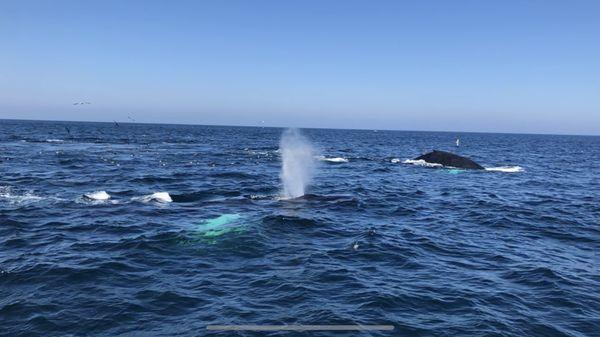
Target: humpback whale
x,y
449,159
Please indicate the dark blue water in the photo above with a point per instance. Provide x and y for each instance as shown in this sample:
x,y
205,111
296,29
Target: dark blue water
x,y
434,252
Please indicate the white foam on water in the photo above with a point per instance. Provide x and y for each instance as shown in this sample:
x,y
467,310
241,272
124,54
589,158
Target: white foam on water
x,y
54,140
7,194
161,197
263,197
98,195
507,169
395,160
333,159
421,162
157,197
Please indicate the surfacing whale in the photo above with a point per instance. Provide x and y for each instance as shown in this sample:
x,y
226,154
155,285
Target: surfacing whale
x,y
449,160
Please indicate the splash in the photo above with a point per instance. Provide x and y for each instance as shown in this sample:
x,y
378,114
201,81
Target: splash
x,y
98,195
420,162
297,156
17,197
162,197
507,169
335,160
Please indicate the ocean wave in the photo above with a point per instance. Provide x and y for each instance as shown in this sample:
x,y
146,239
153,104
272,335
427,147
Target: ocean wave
x,y
333,159
205,195
292,221
153,179
508,169
162,197
54,140
262,152
233,175
395,160
328,198
191,197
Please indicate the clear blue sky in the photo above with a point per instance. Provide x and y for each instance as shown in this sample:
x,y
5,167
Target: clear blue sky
x,y
505,66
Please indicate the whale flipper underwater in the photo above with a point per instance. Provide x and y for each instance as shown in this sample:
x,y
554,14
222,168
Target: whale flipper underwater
x,y
449,160
219,225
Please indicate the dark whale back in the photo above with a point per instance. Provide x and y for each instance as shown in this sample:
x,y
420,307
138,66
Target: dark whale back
x,y
449,159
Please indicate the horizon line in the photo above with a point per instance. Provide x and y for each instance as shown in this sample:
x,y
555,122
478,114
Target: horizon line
x,y
295,127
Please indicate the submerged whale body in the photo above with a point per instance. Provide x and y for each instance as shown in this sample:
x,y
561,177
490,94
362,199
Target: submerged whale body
x,y
220,225
449,159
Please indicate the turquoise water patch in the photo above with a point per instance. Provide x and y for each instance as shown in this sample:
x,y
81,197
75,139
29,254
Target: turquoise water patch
x,y
220,225
209,230
455,171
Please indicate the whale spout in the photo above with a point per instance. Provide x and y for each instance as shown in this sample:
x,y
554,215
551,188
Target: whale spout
x,y
449,160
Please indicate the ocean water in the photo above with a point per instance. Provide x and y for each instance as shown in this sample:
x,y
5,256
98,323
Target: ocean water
x,y
511,251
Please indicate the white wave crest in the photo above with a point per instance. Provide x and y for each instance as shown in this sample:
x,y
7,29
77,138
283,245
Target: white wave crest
x,y
507,169
395,160
98,195
333,159
421,162
157,196
54,140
